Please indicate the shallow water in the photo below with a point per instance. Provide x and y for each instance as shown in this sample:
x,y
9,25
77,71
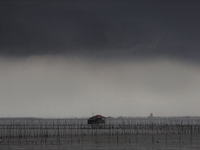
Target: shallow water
x,y
105,142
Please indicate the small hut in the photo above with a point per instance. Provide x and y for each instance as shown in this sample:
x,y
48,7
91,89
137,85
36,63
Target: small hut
x,y
98,119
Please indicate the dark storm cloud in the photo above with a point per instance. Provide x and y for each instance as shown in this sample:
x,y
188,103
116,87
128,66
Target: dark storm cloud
x,y
58,37
129,28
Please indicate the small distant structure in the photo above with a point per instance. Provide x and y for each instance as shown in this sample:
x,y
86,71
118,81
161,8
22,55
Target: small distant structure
x,y
98,119
151,115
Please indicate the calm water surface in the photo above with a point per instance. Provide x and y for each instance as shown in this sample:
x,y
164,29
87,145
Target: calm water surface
x,y
140,142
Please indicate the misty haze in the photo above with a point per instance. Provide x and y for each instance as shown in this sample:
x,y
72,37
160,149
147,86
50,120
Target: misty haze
x,y
56,86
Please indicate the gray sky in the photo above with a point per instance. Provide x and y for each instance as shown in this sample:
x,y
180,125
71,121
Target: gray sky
x,y
114,58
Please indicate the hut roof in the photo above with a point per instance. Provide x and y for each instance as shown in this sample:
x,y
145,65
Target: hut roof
x,y
98,116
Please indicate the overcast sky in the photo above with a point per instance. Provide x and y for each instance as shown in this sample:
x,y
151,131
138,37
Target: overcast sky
x,y
110,57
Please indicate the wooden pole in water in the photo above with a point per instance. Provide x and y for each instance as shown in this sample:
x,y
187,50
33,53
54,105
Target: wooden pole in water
x,y
180,132
109,134
19,134
96,134
70,133
45,130
117,136
124,131
136,126
82,133
58,134
191,134
152,133
166,126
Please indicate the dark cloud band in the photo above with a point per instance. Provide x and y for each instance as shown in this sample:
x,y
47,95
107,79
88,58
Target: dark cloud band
x,y
107,28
